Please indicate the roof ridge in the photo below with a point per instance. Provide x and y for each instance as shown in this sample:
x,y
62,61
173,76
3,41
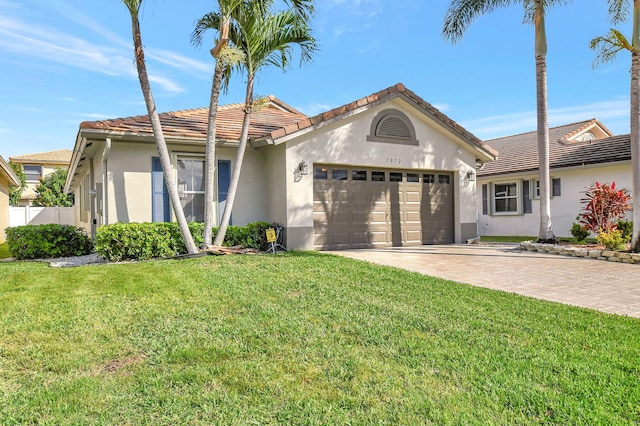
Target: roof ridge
x,y
534,131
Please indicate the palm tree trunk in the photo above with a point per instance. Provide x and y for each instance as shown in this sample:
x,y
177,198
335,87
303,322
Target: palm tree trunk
x,y
210,154
235,177
546,230
635,127
159,136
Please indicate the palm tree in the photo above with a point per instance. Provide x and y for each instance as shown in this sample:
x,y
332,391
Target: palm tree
x,y
265,38
459,16
154,118
225,59
608,47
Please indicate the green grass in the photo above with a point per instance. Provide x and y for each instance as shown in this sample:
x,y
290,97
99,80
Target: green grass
x,y
4,251
300,338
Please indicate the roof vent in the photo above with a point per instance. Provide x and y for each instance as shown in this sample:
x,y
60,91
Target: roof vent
x,y
392,126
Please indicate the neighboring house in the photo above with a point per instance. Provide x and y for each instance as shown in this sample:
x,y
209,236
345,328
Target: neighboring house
x,y
37,166
385,170
7,178
579,154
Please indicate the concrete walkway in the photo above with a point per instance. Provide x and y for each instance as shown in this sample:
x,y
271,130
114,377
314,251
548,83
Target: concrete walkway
x,y
604,286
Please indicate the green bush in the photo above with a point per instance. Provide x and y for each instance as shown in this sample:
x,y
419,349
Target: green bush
x,y
626,227
251,236
141,241
579,232
47,241
612,240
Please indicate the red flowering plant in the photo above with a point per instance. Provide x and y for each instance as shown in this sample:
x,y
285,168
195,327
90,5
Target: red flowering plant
x,y
604,205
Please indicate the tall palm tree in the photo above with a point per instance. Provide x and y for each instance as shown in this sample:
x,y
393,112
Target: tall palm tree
x,y
163,152
266,38
459,16
608,47
225,59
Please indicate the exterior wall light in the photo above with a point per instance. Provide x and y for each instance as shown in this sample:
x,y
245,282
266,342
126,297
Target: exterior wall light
x,y
303,168
471,175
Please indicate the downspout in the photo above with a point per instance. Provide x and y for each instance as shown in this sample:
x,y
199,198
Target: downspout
x,y
105,177
92,199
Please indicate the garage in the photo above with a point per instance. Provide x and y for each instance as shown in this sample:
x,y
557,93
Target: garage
x,y
359,207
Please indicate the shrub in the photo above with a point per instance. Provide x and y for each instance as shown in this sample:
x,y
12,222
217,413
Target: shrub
x,y
47,241
604,206
579,232
141,241
612,240
626,227
251,236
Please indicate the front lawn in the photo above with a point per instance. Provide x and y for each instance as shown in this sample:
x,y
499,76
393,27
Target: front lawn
x,y
300,338
4,251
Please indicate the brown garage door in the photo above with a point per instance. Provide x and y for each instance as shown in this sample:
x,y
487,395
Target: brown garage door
x,y
364,207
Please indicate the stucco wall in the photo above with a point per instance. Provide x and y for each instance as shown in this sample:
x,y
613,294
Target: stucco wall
x,y
4,206
345,142
29,192
564,208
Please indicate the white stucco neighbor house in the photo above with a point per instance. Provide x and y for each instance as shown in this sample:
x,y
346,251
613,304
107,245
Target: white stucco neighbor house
x,y
508,201
7,179
385,170
38,165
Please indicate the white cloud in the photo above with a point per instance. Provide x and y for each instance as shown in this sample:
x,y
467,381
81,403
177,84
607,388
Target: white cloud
x,y
94,115
313,108
520,122
442,107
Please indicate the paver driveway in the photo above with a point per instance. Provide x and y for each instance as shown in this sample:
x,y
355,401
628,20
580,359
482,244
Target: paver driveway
x,y
605,286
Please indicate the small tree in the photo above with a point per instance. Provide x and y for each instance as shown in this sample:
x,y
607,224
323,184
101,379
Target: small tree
x,y
15,192
51,191
604,205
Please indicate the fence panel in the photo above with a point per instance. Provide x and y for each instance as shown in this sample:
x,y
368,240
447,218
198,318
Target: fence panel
x,y
19,216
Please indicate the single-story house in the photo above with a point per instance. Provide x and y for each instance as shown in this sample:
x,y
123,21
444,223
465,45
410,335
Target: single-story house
x,y
7,178
508,201
385,170
38,165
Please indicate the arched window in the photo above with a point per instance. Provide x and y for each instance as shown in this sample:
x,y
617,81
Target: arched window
x,y
392,126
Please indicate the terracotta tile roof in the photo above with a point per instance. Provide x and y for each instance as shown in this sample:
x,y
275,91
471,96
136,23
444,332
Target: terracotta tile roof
x,y
62,156
519,153
192,123
398,89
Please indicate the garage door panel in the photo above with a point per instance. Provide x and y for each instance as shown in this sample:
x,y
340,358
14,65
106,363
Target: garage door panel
x,y
359,214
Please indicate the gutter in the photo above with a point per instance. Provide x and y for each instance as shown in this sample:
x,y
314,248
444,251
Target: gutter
x,y
81,141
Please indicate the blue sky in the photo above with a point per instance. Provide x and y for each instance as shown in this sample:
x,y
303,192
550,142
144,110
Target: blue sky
x,y
67,61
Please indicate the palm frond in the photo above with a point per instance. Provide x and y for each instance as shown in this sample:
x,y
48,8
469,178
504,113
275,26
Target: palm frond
x,y
618,10
133,6
461,13
607,47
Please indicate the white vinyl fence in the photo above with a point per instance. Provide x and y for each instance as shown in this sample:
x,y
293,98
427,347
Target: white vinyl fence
x,y
19,216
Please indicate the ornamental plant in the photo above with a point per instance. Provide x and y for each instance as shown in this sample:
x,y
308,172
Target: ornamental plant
x,y
604,205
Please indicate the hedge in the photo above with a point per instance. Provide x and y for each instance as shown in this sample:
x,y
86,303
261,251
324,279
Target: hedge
x,y
47,241
142,241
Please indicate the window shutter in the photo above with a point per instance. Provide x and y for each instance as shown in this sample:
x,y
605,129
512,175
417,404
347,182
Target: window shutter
x,y
485,199
526,199
556,189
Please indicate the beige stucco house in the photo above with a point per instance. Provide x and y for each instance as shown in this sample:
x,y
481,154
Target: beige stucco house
x,y
385,170
38,165
580,153
7,178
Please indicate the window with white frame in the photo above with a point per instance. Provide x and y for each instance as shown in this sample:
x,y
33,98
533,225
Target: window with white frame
x,y
190,174
32,172
505,198
555,188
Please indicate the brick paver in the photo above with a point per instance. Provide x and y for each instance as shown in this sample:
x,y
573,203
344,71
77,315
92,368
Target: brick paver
x,y
604,286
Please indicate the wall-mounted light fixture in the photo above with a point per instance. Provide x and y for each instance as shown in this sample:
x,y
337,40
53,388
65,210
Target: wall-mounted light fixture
x,y
471,175
303,169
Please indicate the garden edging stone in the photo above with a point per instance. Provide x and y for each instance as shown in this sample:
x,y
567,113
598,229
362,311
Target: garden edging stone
x,y
607,255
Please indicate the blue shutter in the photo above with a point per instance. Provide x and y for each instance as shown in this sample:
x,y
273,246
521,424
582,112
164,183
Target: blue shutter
x,y
526,199
555,185
485,199
161,211
224,179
